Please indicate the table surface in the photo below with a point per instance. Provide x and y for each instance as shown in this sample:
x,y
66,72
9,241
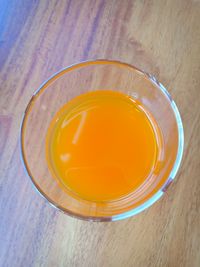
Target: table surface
x,y
38,38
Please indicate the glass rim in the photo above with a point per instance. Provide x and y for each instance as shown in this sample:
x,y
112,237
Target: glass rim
x,y
148,202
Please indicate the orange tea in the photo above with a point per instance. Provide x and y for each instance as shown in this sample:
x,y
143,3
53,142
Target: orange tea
x,y
102,145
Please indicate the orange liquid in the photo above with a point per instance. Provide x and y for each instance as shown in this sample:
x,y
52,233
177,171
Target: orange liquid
x,y
102,145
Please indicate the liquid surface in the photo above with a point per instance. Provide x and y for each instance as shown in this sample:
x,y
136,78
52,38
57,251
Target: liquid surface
x,y
101,145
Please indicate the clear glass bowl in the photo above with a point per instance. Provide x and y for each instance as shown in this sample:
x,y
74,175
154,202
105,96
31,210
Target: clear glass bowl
x,y
91,76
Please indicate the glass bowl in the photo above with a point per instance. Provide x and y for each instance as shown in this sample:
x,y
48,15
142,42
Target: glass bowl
x,y
91,76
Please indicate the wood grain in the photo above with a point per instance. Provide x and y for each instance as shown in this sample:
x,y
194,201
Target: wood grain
x,y
38,38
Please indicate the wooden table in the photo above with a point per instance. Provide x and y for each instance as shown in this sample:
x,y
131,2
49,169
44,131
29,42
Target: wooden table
x,y
38,38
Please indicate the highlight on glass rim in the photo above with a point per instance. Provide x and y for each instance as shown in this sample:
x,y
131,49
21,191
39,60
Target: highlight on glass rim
x,y
109,144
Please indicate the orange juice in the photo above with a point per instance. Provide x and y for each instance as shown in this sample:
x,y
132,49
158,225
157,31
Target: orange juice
x,y
102,145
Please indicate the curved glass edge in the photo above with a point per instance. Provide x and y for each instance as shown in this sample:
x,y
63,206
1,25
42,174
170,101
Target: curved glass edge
x,y
150,201
180,131
140,208
37,189
177,163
